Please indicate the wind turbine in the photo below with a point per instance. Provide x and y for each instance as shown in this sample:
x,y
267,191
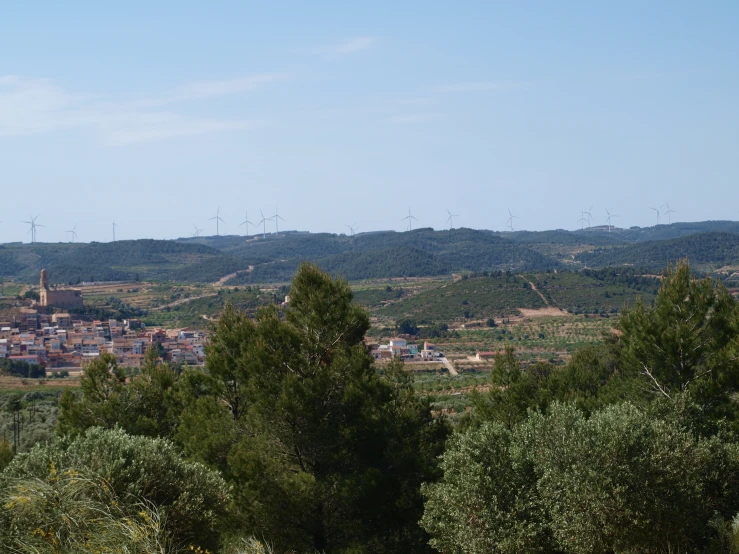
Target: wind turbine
x,y
510,220
114,228
450,219
590,216
73,232
264,223
246,222
669,213
582,219
33,225
608,219
410,219
218,220
197,231
656,210
277,218
352,228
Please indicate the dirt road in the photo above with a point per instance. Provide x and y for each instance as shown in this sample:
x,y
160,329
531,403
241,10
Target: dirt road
x,y
449,366
222,281
533,287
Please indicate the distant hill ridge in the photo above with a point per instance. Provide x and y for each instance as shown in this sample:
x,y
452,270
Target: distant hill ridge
x,y
702,249
421,252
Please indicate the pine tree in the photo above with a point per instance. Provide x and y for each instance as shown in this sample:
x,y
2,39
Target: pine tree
x,y
325,452
689,340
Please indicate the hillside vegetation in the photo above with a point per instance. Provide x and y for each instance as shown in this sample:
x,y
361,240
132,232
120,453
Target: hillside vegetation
x,y
198,312
703,250
422,252
591,291
633,235
115,261
477,298
503,295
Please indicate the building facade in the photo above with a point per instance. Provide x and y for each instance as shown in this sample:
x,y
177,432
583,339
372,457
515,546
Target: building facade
x,y
58,298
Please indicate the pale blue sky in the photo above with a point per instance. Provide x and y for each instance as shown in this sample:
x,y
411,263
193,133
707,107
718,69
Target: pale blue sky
x,y
156,113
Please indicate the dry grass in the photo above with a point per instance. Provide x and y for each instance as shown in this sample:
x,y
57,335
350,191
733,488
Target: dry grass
x,y
28,385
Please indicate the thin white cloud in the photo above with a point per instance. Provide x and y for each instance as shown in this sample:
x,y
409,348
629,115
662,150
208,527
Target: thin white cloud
x,y
355,45
212,89
481,86
37,106
120,130
425,101
411,118
351,46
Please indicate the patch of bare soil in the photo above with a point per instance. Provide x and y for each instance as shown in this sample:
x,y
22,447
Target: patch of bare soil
x,y
542,312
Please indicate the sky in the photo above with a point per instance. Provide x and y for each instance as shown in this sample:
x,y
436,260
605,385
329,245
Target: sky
x,y
157,114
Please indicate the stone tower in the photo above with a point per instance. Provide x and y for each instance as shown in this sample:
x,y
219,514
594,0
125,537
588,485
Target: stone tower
x,y
56,297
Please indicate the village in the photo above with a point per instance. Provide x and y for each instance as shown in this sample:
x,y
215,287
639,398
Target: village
x,y
44,335
58,343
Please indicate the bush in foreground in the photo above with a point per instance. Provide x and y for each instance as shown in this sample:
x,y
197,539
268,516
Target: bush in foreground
x,y
76,488
624,480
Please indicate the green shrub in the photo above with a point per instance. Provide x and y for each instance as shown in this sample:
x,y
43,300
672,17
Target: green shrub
x,y
73,512
624,480
191,498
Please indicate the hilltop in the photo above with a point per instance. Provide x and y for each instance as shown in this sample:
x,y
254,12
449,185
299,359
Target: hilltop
x,y
273,258
600,236
115,261
421,252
